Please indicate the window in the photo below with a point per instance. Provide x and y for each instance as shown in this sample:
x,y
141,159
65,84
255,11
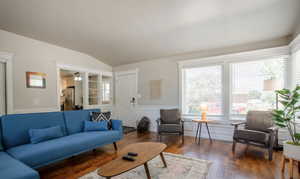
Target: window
x,y
93,89
203,86
106,90
230,89
253,84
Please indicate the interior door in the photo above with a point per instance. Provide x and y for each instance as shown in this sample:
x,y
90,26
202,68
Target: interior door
x,y
126,92
2,89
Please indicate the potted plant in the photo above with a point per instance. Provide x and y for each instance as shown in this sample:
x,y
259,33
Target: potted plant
x,y
286,118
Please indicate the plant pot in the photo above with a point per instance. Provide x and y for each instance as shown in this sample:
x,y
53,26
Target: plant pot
x,y
291,151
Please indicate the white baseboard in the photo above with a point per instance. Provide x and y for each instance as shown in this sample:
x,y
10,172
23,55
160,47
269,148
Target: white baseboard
x,y
36,110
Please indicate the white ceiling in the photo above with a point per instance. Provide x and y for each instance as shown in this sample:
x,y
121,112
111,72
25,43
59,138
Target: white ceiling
x,y
126,31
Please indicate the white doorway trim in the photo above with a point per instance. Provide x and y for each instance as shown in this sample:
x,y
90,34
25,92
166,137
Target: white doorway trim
x,y
85,90
7,58
128,72
129,115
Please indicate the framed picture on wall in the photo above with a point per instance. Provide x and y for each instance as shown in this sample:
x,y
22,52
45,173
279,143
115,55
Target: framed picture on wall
x,y
35,80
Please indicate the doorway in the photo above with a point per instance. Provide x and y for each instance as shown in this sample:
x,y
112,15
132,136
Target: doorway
x,y
126,97
71,90
3,101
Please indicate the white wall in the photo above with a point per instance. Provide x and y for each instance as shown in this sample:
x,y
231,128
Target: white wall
x,y
37,56
167,70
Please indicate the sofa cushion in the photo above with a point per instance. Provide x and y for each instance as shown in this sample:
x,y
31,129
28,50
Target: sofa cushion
x,y
102,116
11,168
40,135
95,126
74,119
37,155
15,127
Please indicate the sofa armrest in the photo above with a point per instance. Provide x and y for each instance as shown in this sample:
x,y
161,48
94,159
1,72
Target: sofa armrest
x,y
117,125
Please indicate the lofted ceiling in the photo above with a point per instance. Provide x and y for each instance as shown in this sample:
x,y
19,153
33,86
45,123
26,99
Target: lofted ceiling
x,y
127,31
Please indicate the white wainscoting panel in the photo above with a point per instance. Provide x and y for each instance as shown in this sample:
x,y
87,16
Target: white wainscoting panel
x,y
221,130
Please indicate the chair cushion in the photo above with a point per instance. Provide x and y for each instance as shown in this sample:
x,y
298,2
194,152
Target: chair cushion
x,y
15,127
95,126
40,135
170,128
170,116
40,154
11,168
74,119
259,120
250,135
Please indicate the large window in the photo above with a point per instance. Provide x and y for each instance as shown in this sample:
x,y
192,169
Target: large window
x,y
203,86
231,89
253,84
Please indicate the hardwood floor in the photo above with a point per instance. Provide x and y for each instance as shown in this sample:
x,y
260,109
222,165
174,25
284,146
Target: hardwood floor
x,y
248,162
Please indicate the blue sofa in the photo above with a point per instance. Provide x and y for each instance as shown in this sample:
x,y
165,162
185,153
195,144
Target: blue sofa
x,y
19,156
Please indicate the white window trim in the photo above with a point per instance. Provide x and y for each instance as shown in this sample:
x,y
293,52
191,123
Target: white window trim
x,y
226,60
85,89
7,58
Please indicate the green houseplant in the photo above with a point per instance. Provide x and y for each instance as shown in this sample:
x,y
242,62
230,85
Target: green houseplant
x,y
286,118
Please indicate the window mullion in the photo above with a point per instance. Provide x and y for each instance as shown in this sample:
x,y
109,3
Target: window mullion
x,y
226,83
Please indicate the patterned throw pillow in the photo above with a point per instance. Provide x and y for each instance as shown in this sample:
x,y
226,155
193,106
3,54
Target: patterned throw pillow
x,y
100,116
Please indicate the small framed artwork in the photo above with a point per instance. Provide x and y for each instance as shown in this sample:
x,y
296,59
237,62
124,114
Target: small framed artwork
x,y
35,80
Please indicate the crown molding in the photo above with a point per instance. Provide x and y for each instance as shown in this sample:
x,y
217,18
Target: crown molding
x,y
295,44
243,56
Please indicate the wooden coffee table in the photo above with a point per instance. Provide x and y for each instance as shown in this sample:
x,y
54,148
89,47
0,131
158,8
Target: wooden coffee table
x,y
146,152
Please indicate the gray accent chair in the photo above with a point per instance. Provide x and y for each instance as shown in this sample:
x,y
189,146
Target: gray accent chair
x,y
259,130
170,123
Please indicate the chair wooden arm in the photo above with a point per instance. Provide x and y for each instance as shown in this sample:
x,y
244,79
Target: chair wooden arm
x,y
273,129
238,123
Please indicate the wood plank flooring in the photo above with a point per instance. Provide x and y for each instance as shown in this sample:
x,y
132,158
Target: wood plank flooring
x,y
248,162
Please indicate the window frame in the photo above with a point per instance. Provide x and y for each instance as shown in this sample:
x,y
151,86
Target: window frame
x,y
242,116
226,61
222,88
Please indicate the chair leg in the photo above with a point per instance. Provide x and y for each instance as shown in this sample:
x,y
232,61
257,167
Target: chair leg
x,y
282,164
271,153
233,146
115,146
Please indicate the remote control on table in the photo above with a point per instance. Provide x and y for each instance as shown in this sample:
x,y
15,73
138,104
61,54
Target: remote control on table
x,y
132,154
129,158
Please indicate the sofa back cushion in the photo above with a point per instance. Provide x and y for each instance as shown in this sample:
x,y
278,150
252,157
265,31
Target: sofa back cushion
x,y
15,127
1,145
44,134
75,119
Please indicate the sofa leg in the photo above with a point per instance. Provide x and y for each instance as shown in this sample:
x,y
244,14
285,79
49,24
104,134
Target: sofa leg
x,y
115,146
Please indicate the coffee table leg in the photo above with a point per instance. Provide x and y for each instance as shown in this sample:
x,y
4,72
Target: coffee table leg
x,y
147,170
163,159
